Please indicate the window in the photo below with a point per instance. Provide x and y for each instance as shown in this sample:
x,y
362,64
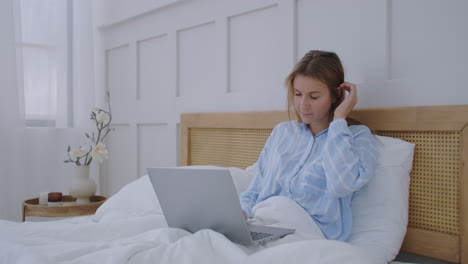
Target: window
x,y
44,46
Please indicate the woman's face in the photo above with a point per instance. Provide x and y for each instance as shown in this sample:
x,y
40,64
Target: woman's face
x,y
312,100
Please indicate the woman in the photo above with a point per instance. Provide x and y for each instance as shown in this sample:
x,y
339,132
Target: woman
x,y
317,161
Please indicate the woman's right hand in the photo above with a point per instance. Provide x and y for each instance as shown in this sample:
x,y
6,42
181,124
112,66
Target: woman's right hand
x,y
347,101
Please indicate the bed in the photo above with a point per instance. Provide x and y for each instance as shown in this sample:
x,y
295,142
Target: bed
x,y
438,209
130,228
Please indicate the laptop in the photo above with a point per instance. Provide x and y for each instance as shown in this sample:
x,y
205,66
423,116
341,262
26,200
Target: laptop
x,y
194,199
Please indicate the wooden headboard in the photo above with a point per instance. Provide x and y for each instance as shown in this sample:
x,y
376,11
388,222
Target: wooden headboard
x,y
438,209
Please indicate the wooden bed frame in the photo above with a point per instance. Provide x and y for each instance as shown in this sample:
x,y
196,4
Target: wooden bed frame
x,y
438,209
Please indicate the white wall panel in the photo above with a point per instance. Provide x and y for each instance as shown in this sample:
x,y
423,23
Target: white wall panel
x,y
428,58
255,51
152,70
121,157
196,51
155,94
155,142
112,12
429,45
118,80
332,25
177,128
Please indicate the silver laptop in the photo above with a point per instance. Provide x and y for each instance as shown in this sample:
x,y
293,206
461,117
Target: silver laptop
x,y
195,199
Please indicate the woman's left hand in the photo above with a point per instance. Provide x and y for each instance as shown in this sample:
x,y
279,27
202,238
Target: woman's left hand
x,y
348,101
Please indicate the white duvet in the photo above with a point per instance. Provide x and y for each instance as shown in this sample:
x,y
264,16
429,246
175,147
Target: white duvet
x,y
130,228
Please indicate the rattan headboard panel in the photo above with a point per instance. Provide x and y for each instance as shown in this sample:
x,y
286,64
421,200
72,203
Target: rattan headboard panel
x,y
434,189
434,178
226,147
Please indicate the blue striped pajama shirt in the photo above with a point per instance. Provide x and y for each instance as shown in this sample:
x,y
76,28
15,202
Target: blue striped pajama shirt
x,y
320,172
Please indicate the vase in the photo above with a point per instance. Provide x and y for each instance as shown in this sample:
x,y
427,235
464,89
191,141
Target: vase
x,y
82,187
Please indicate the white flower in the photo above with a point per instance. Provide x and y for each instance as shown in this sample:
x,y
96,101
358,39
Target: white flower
x,y
76,153
96,150
102,117
99,152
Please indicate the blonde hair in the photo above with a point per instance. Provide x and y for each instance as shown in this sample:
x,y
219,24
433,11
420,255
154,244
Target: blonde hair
x,y
324,66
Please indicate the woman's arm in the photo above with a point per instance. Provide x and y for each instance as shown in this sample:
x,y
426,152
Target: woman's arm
x,y
248,198
349,159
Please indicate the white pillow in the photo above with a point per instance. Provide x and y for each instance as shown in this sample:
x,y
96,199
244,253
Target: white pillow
x,y
380,209
134,199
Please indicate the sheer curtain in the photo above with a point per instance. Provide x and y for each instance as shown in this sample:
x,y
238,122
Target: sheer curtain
x,y
44,45
43,110
11,172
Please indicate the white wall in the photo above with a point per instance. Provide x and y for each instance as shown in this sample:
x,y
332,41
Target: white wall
x,y
219,55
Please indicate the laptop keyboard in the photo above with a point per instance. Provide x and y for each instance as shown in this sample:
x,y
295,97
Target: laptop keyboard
x,y
258,235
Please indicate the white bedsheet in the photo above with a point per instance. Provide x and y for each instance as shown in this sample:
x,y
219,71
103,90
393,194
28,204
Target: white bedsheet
x,y
130,228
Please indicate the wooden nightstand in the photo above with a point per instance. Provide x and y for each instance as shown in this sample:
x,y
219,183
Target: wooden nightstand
x,y
31,207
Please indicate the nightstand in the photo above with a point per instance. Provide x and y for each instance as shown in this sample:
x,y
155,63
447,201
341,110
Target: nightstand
x,y
31,207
